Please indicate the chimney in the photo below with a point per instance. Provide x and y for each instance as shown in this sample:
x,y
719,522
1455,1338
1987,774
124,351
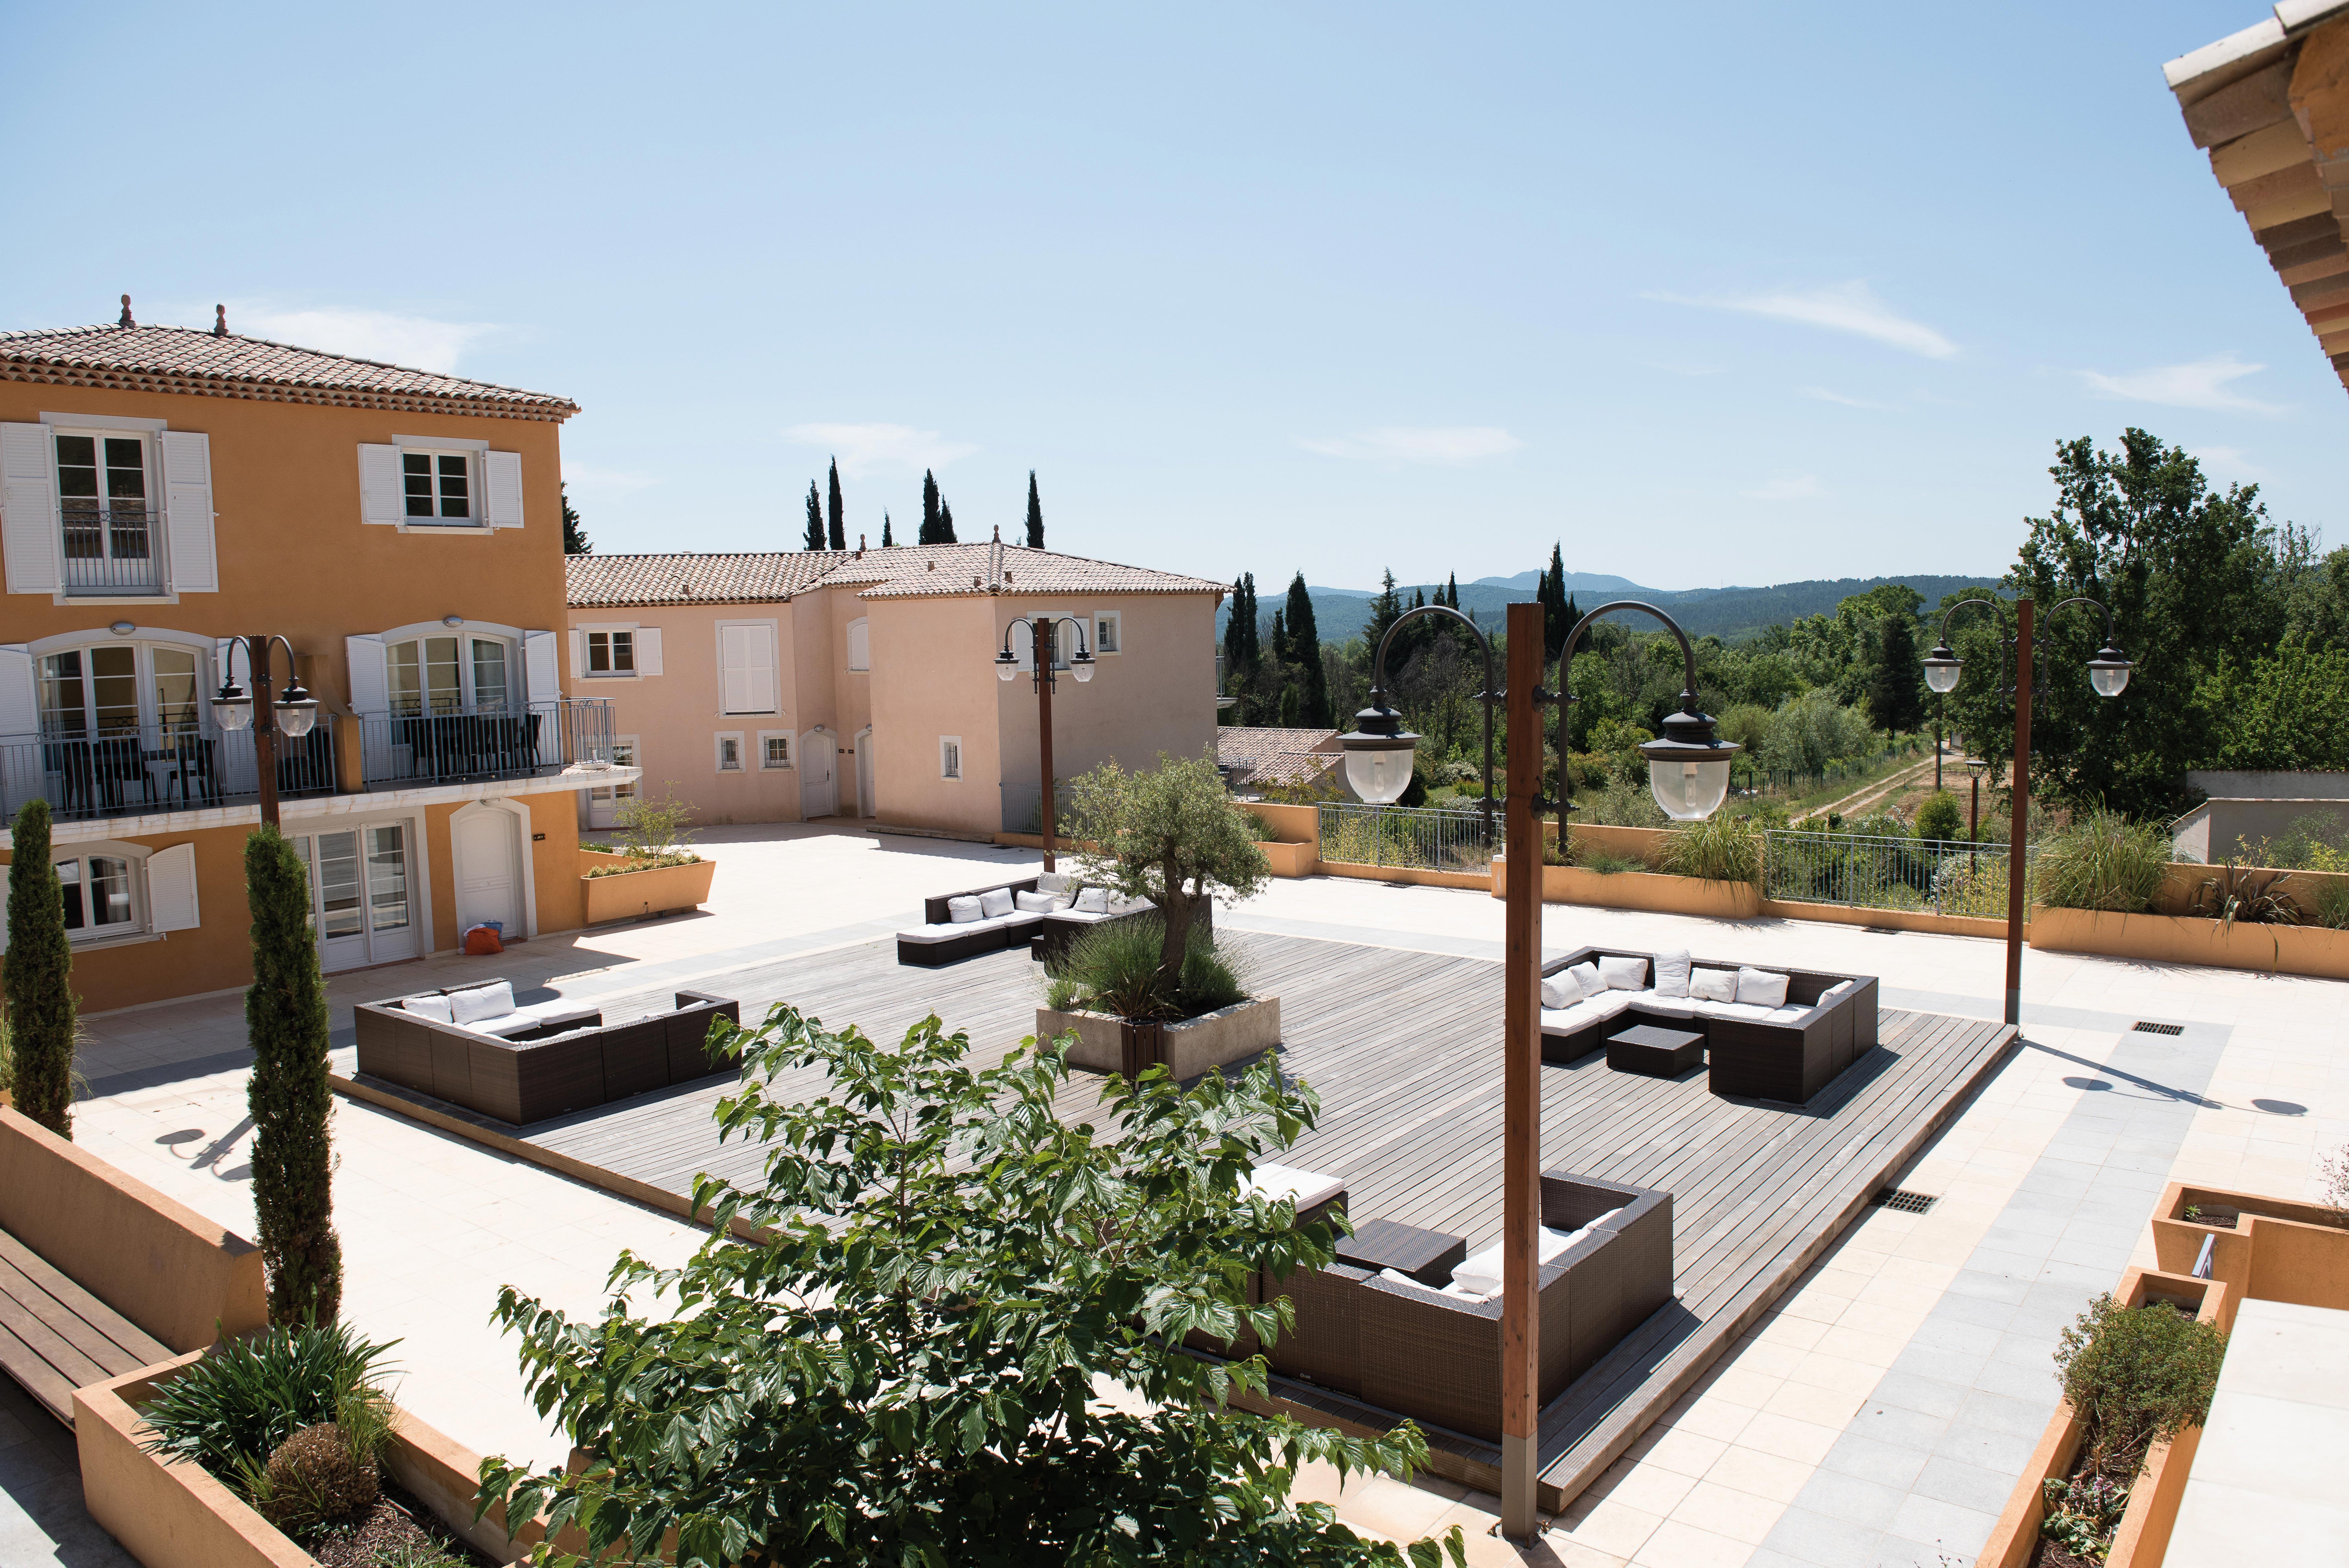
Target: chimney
x,y
126,320
219,320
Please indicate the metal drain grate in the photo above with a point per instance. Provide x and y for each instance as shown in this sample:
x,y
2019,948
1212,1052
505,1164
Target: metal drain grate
x,y
1903,1201
2144,1028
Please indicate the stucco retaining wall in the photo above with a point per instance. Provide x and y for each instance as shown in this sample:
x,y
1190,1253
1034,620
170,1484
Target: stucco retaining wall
x,y
633,895
2188,939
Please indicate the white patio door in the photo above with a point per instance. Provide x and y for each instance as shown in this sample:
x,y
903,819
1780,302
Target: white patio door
x,y
487,870
361,903
604,804
819,775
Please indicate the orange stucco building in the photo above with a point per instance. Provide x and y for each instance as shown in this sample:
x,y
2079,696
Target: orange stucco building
x,y
164,491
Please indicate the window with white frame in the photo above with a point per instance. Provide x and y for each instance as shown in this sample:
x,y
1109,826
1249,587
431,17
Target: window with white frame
x,y
775,749
148,691
950,756
466,673
1109,634
99,897
730,752
438,485
110,890
611,653
746,668
104,501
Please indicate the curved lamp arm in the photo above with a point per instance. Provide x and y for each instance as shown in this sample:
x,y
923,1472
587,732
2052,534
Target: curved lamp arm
x,y
1682,729
1381,726
296,710
1006,663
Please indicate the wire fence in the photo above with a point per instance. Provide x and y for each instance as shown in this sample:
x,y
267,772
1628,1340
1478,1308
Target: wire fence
x,y
1931,876
1410,838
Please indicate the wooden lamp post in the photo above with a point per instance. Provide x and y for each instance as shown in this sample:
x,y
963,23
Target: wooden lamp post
x,y
294,714
1043,630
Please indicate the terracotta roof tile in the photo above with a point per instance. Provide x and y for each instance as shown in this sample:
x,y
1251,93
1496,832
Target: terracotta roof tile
x,y
1271,756
182,359
902,571
907,573
600,581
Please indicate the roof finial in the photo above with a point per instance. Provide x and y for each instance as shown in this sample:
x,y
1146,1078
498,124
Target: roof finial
x,y
995,558
860,546
219,320
126,320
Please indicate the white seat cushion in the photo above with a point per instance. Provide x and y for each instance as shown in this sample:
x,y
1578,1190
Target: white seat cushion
x,y
473,1004
1092,902
995,901
1761,988
1054,882
1303,1187
963,909
1481,1272
1714,984
436,1008
948,930
1560,990
1036,903
1667,1006
1624,973
1582,1014
1672,973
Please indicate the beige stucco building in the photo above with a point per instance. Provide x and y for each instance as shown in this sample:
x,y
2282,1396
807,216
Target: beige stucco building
x,y
786,686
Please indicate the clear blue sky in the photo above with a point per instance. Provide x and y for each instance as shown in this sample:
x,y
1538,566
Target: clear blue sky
x,y
1712,294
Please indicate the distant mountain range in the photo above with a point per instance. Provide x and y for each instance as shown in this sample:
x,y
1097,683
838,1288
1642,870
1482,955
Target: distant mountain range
x,y
1726,613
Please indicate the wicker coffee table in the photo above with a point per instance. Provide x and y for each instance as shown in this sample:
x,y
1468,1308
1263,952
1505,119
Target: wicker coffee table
x,y
1655,1051
1427,1256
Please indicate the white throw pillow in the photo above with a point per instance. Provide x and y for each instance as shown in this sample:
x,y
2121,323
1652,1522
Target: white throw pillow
x,y
1036,903
494,1000
1092,902
1714,985
1479,1274
436,1008
993,903
1560,989
1586,975
962,912
1624,973
1052,882
1759,988
1672,973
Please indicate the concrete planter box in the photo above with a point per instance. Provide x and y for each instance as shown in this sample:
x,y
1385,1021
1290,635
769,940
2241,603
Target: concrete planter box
x,y
2142,1538
2190,939
1292,860
632,895
1107,1043
175,1514
1648,891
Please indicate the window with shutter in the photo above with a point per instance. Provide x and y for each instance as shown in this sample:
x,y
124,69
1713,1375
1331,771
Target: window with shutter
x,y
187,511
746,657
28,510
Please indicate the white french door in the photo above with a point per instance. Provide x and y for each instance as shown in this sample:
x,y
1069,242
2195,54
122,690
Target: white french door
x,y
364,895
603,803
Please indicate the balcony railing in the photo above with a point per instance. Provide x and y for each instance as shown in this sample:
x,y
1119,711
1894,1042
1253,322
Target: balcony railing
x,y
112,550
1415,838
456,744
133,772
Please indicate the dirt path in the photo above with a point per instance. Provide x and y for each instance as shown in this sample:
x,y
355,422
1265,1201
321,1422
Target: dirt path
x,y
1852,804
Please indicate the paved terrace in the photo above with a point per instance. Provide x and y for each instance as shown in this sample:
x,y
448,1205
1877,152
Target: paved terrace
x,y
1877,1415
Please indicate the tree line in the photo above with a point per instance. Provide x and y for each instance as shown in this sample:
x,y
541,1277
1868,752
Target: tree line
x,y
827,524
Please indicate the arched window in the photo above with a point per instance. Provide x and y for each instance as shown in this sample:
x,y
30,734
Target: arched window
x,y
124,689
461,672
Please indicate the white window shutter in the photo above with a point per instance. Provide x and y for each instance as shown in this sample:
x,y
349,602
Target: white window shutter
x,y
501,479
763,670
383,491
860,646
171,889
20,698
648,650
542,680
370,675
28,510
734,669
188,511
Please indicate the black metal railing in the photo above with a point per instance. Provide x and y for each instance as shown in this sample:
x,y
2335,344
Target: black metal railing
x,y
517,741
112,549
154,768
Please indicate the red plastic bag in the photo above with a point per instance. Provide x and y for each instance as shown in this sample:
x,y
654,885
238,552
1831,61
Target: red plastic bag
x,y
481,941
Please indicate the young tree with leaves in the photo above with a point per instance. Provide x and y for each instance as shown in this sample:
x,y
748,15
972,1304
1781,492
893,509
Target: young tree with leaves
x,y
912,1369
836,527
287,1098
38,976
1171,836
1035,514
574,538
815,532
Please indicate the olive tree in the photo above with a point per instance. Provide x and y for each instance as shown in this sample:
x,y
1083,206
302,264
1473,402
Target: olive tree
x,y
1171,836
961,1340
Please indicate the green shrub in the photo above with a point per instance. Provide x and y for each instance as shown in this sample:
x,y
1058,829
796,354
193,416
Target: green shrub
x,y
2136,1377
652,825
1718,848
2313,843
646,862
2104,861
235,1408
1623,804
1115,968
38,978
1259,829
1940,817
315,1475
2328,906
2240,894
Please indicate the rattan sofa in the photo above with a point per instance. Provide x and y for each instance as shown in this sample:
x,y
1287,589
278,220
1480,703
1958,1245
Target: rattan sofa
x,y
939,940
567,1059
1436,1358
1785,1053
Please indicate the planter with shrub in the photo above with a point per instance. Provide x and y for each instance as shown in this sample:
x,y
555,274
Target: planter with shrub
x,y
653,873
280,1449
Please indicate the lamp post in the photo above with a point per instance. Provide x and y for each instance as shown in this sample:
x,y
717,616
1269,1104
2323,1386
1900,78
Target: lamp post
x,y
294,714
1379,746
1976,766
1041,629
2108,674
1688,772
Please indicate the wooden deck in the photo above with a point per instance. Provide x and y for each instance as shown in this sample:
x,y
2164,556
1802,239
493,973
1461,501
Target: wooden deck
x,y
1402,1048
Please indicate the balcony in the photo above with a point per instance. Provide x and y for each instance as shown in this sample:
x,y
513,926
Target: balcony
x,y
460,745
111,550
137,771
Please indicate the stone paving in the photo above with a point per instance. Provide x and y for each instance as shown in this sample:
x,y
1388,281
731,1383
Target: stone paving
x,y
1877,1416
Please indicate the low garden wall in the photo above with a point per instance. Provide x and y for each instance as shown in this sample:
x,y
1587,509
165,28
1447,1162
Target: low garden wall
x,y
1647,890
2193,938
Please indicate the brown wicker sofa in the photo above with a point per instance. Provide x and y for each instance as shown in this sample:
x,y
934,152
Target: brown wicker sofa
x,y
557,1061
939,940
1436,1358
1787,1053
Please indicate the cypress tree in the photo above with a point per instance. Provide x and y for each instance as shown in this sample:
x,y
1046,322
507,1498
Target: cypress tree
x,y
574,538
1239,631
945,521
39,977
1305,650
928,532
1280,640
885,540
1252,633
1896,695
1035,514
1452,590
815,519
1555,626
292,1153
1385,610
839,528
